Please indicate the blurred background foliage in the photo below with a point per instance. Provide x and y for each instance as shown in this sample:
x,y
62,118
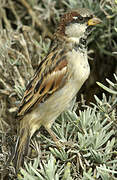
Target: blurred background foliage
x,y
90,134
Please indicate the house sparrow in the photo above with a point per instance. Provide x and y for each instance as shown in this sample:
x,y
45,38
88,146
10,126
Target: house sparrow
x,y
57,80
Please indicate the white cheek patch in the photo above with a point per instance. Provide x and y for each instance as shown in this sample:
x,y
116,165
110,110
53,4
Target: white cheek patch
x,y
75,30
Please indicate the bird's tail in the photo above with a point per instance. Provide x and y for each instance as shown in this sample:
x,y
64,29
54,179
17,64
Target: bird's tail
x,y
21,148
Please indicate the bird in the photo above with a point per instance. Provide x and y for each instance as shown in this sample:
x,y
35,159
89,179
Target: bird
x,y
58,78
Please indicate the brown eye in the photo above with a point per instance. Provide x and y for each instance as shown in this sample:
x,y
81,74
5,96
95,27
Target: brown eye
x,y
80,18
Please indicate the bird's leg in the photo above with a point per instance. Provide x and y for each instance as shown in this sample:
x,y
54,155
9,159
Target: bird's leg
x,y
57,142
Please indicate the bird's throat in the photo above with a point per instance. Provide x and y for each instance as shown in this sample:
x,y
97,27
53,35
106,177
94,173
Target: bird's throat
x,y
79,44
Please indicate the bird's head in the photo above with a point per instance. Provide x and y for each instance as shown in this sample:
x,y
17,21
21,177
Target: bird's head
x,y
77,23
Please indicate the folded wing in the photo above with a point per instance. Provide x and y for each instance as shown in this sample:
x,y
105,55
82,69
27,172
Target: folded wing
x,y
45,81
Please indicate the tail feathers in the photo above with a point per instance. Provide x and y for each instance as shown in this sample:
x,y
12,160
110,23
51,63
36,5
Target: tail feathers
x,y
21,149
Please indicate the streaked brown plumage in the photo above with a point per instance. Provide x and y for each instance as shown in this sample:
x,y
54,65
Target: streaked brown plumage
x,y
57,80
45,81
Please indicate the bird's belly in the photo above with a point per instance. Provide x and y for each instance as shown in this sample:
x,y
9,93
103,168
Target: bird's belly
x,y
47,112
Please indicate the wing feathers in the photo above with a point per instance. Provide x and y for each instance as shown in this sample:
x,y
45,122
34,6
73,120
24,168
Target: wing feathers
x,y
45,82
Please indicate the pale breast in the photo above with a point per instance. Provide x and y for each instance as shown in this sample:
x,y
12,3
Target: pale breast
x,y
79,65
